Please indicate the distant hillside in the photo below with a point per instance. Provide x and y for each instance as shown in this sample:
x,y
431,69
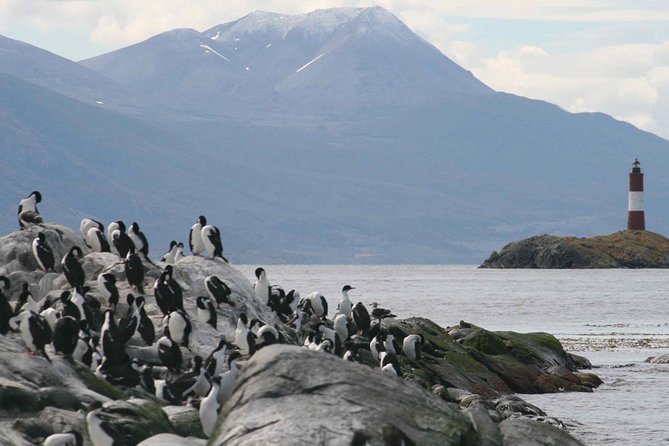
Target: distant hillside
x,y
382,150
624,249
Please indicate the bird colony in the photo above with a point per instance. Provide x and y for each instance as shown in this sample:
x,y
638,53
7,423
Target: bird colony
x,y
166,326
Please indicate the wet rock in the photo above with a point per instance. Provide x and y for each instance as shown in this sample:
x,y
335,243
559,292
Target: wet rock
x,y
525,432
135,420
185,420
664,359
487,429
290,395
172,440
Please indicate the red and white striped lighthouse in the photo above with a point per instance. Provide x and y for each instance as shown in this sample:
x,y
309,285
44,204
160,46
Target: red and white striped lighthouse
x,y
636,220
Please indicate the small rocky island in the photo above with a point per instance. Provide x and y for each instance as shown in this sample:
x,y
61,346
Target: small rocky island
x,y
623,249
461,391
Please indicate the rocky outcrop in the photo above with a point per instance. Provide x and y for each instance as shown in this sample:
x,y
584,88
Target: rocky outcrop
x,y
291,395
454,395
488,363
624,249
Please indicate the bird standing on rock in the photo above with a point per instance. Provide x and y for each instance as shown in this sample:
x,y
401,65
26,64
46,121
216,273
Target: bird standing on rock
x,y
345,305
218,291
134,270
195,236
121,240
211,239
43,253
28,213
139,239
74,272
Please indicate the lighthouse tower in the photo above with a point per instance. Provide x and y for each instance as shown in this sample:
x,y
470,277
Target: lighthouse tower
x,y
636,220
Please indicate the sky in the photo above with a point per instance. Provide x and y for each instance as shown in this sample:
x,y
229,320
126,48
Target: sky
x,y
584,55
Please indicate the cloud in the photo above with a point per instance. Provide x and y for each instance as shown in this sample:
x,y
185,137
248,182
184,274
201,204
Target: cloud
x,y
629,82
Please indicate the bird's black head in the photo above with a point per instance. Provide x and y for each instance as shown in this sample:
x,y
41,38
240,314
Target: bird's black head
x,y
41,236
134,227
65,296
347,288
202,220
109,278
197,362
173,243
130,299
76,250
259,271
201,302
5,280
180,245
24,287
121,226
243,318
37,195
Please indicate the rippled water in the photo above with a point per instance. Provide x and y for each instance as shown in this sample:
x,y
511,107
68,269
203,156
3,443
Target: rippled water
x,y
616,318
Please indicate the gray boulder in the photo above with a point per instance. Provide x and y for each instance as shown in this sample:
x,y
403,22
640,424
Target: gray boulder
x,y
526,432
290,395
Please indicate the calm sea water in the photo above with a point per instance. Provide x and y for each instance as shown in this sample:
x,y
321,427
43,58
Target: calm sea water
x,y
616,318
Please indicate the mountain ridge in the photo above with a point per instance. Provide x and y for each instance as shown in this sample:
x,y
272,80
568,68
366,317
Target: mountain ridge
x,y
303,168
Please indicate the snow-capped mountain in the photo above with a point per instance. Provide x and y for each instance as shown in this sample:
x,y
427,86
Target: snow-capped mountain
x,y
335,136
342,59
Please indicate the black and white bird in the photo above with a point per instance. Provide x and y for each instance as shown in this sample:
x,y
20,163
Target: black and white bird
x,y
229,378
146,329
112,349
129,324
215,362
361,317
345,305
35,332
389,363
43,253
178,327
169,256
50,315
168,292
289,303
121,240
206,311
180,252
262,286
267,335
169,354
376,345
66,335
195,236
87,224
139,239
108,290
412,346
217,290
319,304
244,338
26,301
5,309
211,240
100,429
210,407
195,382
69,438
134,270
341,323
70,308
391,344
74,272
28,213
95,239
